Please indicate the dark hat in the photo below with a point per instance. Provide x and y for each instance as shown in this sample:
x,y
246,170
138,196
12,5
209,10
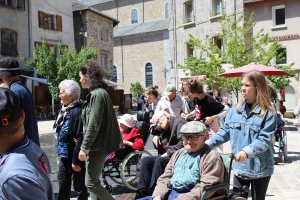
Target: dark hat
x,y
10,103
9,67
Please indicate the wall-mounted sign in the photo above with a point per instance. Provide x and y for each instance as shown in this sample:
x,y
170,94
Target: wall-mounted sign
x,y
285,37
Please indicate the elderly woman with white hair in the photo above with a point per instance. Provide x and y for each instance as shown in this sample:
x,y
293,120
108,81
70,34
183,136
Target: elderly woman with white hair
x,y
69,132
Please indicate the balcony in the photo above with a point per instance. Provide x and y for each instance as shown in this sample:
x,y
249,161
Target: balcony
x,y
189,19
217,11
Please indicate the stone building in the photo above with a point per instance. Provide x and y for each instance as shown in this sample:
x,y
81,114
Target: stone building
x,y
280,19
141,41
15,31
90,25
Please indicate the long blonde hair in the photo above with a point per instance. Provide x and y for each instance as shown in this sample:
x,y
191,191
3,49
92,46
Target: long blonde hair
x,y
263,99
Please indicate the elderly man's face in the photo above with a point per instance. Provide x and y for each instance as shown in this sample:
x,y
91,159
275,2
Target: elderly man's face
x,y
65,99
193,142
172,95
163,122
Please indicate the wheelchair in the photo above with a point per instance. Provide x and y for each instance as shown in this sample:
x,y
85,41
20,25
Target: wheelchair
x,y
127,171
281,139
227,159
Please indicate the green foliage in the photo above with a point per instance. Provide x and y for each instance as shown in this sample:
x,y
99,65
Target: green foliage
x,y
136,89
240,48
64,67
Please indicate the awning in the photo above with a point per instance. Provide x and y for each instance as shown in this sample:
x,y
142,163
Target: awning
x,y
41,80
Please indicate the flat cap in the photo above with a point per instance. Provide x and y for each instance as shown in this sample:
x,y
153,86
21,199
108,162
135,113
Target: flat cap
x,y
193,127
10,103
169,89
9,67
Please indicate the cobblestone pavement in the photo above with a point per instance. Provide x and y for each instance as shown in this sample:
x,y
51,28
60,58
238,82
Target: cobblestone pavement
x,y
284,184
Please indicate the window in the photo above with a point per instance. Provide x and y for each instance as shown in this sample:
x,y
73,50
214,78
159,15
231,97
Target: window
x,y
9,42
188,12
219,43
103,61
167,10
134,16
51,47
217,7
49,21
115,75
17,4
149,75
278,15
281,56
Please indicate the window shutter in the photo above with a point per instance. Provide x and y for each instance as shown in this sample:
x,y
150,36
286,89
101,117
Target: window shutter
x,y
21,4
13,43
58,23
5,42
41,19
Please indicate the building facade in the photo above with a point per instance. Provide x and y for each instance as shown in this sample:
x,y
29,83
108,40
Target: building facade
x,y
141,41
15,31
279,18
93,26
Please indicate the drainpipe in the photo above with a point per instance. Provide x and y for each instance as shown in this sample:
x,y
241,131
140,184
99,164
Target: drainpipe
x,y
117,9
29,38
81,28
175,42
122,61
143,11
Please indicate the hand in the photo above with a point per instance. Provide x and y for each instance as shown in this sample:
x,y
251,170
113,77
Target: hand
x,y
164,155
187,116
208,120
182,115
76,168
156,141
241,156
156,198
75,140
128,143
82,155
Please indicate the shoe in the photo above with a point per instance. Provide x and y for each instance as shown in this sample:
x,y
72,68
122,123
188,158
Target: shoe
x,y
141,193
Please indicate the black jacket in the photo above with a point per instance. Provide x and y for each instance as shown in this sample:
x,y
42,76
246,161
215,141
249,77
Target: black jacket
x,y
75,131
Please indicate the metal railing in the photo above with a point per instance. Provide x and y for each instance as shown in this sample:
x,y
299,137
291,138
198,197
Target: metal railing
x,y
217,11
188,19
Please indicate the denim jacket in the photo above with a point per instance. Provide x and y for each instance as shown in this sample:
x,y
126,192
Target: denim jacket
x,y
252,134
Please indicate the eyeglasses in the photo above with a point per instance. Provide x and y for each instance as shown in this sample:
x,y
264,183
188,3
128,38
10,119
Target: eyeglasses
x,y
62,93
191,137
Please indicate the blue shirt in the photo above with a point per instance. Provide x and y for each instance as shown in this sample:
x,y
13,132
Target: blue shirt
x,y
186,170
25,173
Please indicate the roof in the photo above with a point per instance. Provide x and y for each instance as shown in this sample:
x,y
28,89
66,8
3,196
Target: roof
x,y
140,28
78,6
95,2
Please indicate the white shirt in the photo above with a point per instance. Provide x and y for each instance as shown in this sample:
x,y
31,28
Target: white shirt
x,y
177,106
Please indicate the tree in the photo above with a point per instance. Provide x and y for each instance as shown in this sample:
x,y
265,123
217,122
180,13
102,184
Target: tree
x,y
136,89
63,67
240,48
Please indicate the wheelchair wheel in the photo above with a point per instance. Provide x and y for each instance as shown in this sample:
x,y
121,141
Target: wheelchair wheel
x,y
130,168
114,173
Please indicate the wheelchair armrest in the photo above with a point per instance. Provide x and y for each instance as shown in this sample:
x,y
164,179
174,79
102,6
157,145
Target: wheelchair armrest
x,y
210,188
213,188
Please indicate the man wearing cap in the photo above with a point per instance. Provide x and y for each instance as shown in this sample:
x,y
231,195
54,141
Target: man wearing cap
x,y
190,168
24,167
9,73
167,142
177,105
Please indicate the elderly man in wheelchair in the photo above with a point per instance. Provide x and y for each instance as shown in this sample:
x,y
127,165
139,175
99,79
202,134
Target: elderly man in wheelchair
x,y
191,168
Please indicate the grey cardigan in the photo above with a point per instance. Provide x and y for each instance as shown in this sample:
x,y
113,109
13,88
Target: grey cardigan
x,y
211,172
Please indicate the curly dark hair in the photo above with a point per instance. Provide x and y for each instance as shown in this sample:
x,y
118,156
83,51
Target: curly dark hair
x,y
95,73
195,86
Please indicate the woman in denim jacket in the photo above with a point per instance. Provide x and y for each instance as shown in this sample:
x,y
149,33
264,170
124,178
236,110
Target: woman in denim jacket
x,y
250,127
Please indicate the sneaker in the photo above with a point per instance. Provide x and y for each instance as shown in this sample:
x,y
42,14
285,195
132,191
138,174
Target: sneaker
x,y
141,193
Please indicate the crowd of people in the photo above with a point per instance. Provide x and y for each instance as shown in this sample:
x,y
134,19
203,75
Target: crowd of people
x,y
188,125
